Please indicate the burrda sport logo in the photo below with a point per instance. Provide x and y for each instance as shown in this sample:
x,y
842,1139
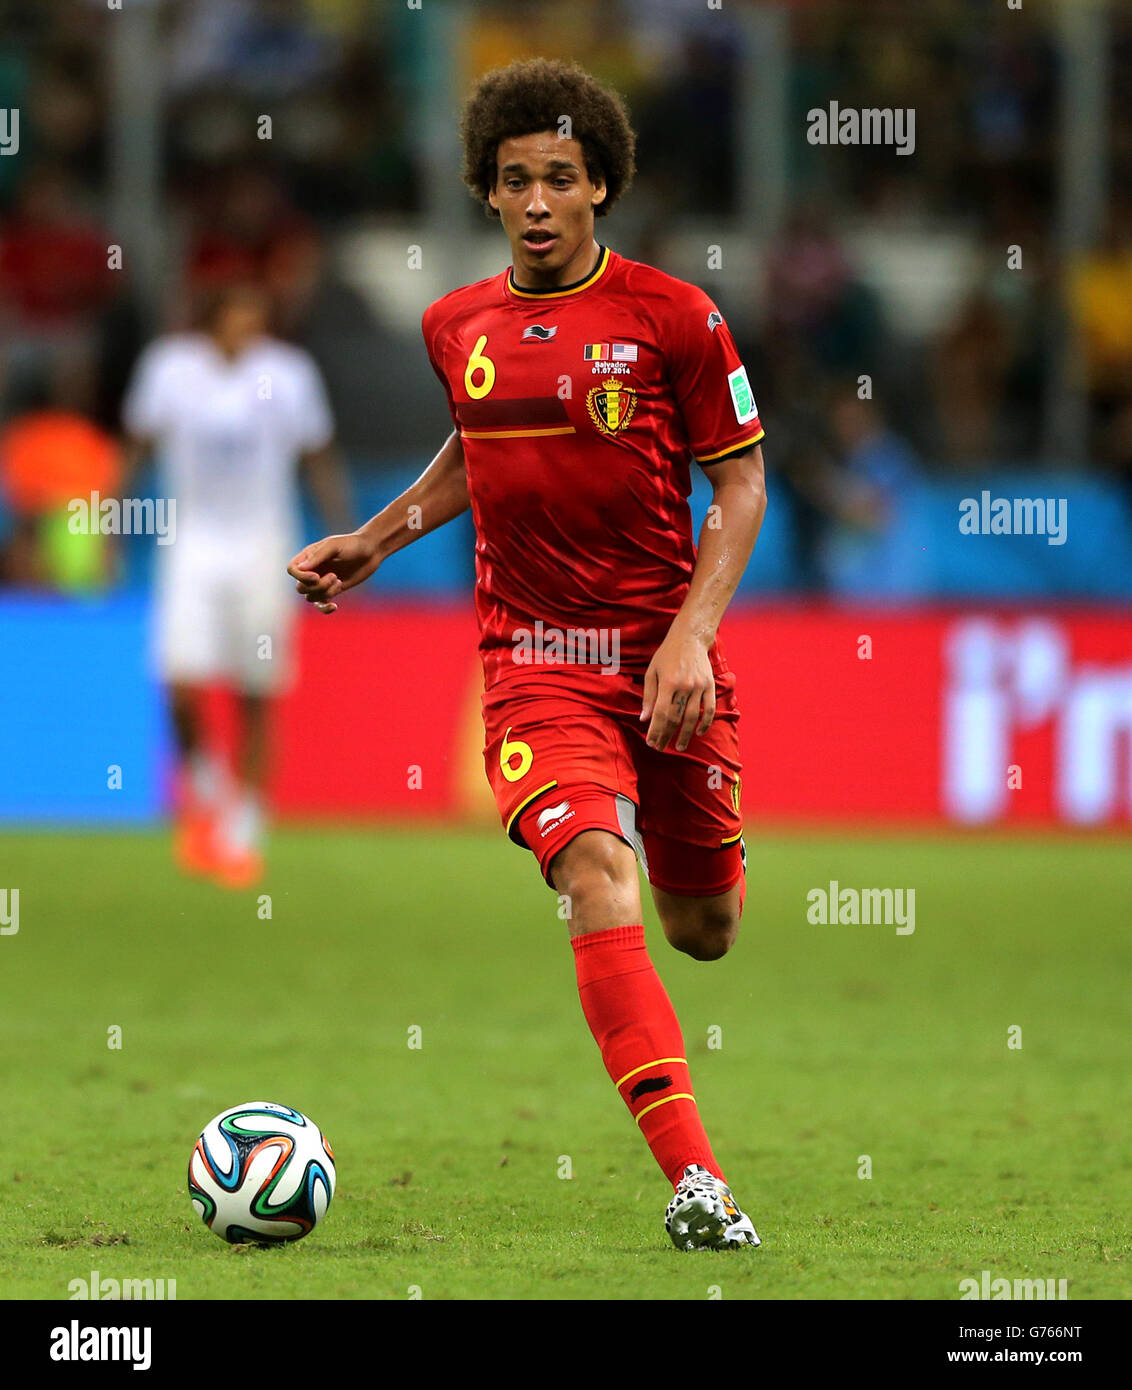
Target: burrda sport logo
x,y
553,817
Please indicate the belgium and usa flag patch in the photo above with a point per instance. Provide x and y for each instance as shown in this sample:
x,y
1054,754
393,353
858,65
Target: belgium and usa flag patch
x,y
610,352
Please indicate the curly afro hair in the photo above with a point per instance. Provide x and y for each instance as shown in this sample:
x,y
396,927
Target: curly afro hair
x,y
533,95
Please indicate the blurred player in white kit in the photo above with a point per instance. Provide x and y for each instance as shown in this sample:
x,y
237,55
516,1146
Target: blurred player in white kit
x,y
231,414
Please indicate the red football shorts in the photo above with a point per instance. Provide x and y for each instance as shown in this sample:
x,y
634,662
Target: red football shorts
x,y
566,752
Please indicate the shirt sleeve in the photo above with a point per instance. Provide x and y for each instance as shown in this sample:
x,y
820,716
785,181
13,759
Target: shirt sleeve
x,y
428,332
709,381
145,406
314,421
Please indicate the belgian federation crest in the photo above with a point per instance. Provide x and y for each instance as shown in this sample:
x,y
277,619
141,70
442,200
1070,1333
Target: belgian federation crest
x,y
611,405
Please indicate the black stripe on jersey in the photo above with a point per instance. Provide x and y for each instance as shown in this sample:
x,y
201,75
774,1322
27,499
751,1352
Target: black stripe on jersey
x,y
733,453
527,411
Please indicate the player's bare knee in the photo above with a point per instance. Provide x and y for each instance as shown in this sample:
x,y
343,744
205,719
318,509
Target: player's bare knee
x,y
709,943
706,933
595,867
717,939
597,876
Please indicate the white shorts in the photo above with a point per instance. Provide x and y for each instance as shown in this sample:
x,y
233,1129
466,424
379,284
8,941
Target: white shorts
x,y
222,620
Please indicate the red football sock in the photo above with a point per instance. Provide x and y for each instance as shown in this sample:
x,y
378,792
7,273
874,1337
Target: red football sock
x,y
635,1025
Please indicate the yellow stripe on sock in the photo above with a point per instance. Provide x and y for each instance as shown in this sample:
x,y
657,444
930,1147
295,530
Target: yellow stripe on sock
x,y
682,1096
660,1061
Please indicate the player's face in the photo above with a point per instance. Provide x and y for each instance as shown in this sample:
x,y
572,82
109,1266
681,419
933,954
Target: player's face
x,y
546,202
240,320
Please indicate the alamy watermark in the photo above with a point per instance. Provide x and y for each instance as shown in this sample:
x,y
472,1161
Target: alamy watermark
x,y
571,646
988,1288
96,1287
124,516
849,125
9,130
1015,516
77,1343
886,907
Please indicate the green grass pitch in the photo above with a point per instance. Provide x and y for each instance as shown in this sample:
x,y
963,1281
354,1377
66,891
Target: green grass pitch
x,y
836,1042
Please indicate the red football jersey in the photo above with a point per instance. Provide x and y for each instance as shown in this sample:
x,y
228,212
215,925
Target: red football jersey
x,y
580,410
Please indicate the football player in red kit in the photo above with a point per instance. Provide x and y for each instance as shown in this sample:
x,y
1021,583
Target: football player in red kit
x,y
582,386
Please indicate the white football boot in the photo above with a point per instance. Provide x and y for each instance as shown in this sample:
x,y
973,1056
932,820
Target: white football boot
x,y
703,1215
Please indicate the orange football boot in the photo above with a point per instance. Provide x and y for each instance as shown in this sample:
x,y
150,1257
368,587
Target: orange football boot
x,y
236,868
194,847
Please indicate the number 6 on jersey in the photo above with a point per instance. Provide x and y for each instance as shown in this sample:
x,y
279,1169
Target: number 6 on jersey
x,y
477,362
515,748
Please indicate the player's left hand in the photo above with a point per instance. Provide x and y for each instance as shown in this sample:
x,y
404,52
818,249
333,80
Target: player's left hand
x,y
679,696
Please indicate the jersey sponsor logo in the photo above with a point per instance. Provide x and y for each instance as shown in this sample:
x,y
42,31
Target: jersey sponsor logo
x,y
714,319
741,397
611,405
551,816
537,333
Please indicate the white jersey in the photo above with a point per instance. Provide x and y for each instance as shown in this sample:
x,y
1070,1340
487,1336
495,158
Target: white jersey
x,y
228,436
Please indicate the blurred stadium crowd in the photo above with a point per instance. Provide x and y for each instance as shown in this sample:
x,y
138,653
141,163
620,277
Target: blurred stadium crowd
x,y
892,267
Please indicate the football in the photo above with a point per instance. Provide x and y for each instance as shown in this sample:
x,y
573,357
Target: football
x,y
261,1173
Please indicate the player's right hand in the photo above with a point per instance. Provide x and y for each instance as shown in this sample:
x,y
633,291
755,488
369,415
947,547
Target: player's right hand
x,y
329,567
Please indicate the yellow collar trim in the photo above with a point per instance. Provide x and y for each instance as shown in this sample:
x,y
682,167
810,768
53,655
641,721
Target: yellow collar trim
x,y
595,274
